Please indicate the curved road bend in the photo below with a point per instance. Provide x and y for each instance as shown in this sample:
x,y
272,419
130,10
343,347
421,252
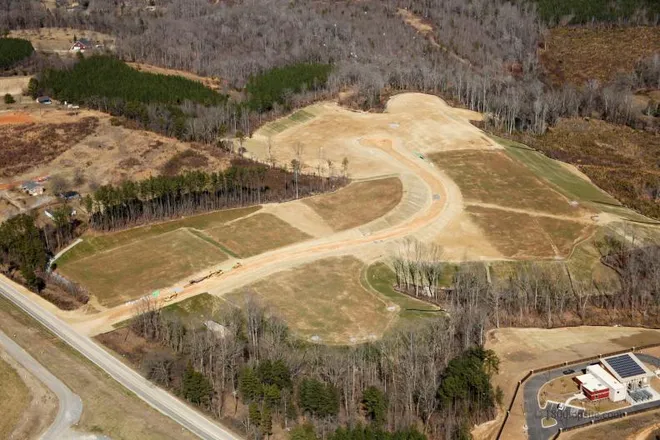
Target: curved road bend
x,y
70,405
156,397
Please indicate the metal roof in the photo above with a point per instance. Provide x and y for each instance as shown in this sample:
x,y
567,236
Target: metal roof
x,y
625,366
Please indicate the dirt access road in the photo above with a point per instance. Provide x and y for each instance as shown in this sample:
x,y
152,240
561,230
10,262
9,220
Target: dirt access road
x,y
443,205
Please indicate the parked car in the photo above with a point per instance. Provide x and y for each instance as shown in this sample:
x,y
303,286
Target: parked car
x,y
569,371
561,407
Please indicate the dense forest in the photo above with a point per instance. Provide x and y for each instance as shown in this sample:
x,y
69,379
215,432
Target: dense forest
x,y
434,378
14,50
102,76
482,54
244,183
272,87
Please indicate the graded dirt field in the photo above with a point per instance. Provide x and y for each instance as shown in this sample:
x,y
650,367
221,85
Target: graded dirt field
x,y
493,177
322,135
14,399
108,409
256,234
136,269
577,54
634,427
521,350
324,301
357,204
523,236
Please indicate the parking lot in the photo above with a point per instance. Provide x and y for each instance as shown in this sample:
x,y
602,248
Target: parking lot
x,y
569,416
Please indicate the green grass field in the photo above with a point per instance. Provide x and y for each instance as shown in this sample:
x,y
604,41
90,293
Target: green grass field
x,y
381,278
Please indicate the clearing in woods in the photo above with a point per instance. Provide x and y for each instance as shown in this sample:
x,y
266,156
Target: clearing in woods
x,y
358,204
521,350
14,399
324,301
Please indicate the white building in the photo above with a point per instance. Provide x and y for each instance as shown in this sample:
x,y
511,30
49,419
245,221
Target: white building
x,y
617,390
628,370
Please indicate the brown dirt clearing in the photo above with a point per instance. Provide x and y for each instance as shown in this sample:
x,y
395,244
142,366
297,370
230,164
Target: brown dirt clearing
x,y
212,83
523,236
324,299
357,204
15,118
577,54
494,178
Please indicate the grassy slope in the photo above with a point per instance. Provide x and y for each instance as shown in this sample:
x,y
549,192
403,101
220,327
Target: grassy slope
x,y
14,399
109,408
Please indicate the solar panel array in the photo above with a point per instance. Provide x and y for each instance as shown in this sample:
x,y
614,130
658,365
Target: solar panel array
x,y
625,366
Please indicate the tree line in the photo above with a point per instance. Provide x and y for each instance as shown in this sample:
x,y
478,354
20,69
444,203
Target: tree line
x,y
14,50
537,293
25,250
604,11
157,198
433,378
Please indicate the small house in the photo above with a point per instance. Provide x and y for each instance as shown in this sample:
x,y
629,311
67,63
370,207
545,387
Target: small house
x,y
45,100
33,188
81,45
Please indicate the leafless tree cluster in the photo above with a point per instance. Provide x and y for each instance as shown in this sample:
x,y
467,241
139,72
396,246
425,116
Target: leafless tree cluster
x,y
408,366
482,53
541,294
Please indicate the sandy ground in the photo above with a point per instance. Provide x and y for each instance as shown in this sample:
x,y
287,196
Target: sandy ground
x,y
41,409
212,83
15,118
521,350
14,85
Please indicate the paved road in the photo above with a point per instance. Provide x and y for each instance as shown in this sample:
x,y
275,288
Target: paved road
x,y
70,405
159,399
569,417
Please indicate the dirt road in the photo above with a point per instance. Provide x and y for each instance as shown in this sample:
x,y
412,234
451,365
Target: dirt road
x,y
444,203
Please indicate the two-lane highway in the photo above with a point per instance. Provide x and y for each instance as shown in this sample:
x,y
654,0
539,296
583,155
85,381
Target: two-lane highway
x,y
158,398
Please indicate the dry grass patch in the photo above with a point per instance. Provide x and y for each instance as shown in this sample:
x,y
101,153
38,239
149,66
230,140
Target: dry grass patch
x,y
133,270
324,299
619,159
518,235
626,428
576,55
495,178
212,83
28,145
14,399
358,203
256,234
